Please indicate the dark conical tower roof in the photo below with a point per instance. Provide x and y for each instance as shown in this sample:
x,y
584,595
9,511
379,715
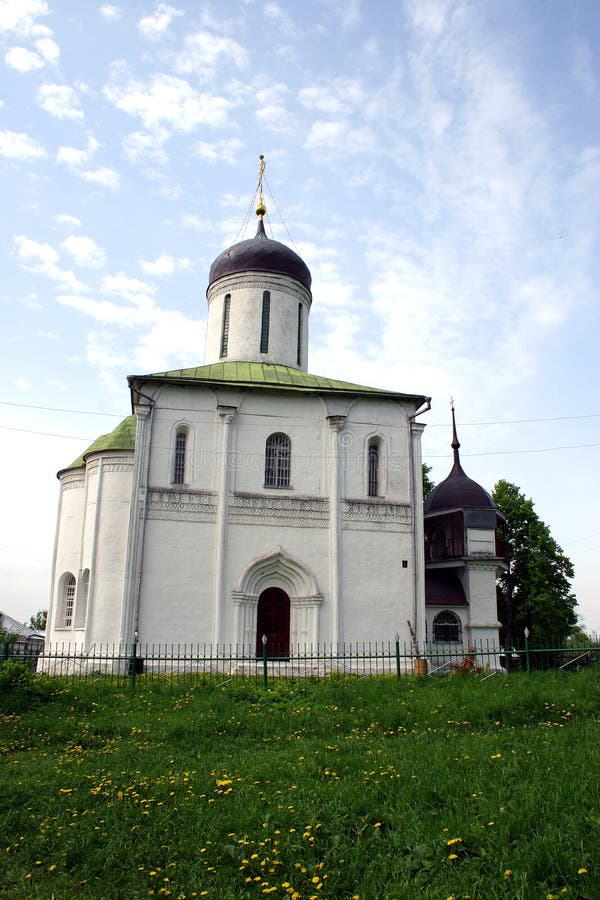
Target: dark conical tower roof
x,y
457,491
260,254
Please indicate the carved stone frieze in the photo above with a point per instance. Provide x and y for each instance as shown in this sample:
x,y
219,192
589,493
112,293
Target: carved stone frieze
x,y
182,506
77,480
110,464
304,512
365,515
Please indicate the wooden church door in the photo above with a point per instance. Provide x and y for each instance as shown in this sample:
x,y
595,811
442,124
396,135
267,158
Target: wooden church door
x,y
273,619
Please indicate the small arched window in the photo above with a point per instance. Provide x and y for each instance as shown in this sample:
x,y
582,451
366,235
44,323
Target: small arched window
x,y
181,437
82,599
277,460
266,316
299,340
225,326
373,475
446,628
67,600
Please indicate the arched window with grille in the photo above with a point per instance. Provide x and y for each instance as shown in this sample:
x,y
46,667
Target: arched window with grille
x,y
67,600
373,464
82,599
179,456
446,628
277,460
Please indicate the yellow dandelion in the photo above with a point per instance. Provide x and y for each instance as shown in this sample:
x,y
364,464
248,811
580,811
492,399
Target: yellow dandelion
x,y
507,873
452,856
453,841
582,871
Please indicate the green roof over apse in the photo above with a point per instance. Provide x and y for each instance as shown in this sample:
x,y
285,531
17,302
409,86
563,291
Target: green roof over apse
x,y
122,438
266,376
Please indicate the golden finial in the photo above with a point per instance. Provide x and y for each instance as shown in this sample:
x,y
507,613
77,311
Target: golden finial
x,y
261,209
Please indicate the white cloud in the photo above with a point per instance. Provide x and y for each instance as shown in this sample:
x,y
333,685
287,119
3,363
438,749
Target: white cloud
x,y
16,145
191,220
162,265
20,15
146,145
122,285
174,340
71,156
67,219
110,12
60,100
43,260
22,384
165,99
23,60
101,350
110,313
155,25
84,251
104,176
219,151
76,159
49,49
203,51
281,20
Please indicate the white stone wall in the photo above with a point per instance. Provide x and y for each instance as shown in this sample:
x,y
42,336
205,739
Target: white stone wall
x,y
245,319
181,552
92,534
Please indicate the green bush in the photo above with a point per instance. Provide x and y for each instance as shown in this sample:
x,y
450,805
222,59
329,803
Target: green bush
x,y
19,682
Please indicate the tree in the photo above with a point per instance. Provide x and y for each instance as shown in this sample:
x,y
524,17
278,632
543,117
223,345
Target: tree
x,y
39,620
535,591
428,484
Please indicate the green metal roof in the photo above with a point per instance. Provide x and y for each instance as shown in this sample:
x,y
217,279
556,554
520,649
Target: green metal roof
x,y
264,375
122,438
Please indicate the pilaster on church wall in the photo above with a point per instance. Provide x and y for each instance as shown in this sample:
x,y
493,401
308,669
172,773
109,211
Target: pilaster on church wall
x,y
361,425
195,409
72,487
105,547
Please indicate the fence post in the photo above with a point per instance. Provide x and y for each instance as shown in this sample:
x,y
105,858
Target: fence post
x,y
526,633
133,661
397,636
265,673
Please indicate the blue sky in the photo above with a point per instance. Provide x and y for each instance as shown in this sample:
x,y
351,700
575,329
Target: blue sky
x,y
436,163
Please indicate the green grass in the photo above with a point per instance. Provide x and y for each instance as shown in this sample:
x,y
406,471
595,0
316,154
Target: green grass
x,y
372,788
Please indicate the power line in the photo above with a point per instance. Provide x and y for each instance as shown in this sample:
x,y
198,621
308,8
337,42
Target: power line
x,y
83,412
72,437
88,412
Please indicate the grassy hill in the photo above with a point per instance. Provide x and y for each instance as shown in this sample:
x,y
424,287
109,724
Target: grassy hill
x,y
342,788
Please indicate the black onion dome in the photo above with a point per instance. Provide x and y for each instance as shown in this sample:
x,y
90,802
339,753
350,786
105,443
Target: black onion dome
x,y
457,491
260,254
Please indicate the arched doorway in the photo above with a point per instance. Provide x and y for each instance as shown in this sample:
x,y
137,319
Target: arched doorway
x,y
273,619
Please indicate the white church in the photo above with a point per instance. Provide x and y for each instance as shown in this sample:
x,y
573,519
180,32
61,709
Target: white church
x,y
246,497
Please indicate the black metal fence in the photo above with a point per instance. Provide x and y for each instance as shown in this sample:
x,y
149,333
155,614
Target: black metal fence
x,y
205,662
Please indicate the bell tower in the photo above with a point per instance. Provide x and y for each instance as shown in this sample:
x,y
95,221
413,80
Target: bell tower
x,y
259,301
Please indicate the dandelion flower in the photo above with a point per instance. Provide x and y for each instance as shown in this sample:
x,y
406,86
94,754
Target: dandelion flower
x,y
452,856
582,871
453,841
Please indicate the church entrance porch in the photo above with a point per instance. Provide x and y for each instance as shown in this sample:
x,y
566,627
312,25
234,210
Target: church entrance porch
x,y
273,620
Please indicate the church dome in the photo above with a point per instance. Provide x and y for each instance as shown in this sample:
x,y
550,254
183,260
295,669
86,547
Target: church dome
x,y
457,491
260,254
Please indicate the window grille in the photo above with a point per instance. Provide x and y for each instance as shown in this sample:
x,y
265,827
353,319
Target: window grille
x,y
179,464
299,344
225,325
373,470
277,461
68,601
446,628
266,313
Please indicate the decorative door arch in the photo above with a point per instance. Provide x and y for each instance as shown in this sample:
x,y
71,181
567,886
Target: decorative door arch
x,y
286,577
